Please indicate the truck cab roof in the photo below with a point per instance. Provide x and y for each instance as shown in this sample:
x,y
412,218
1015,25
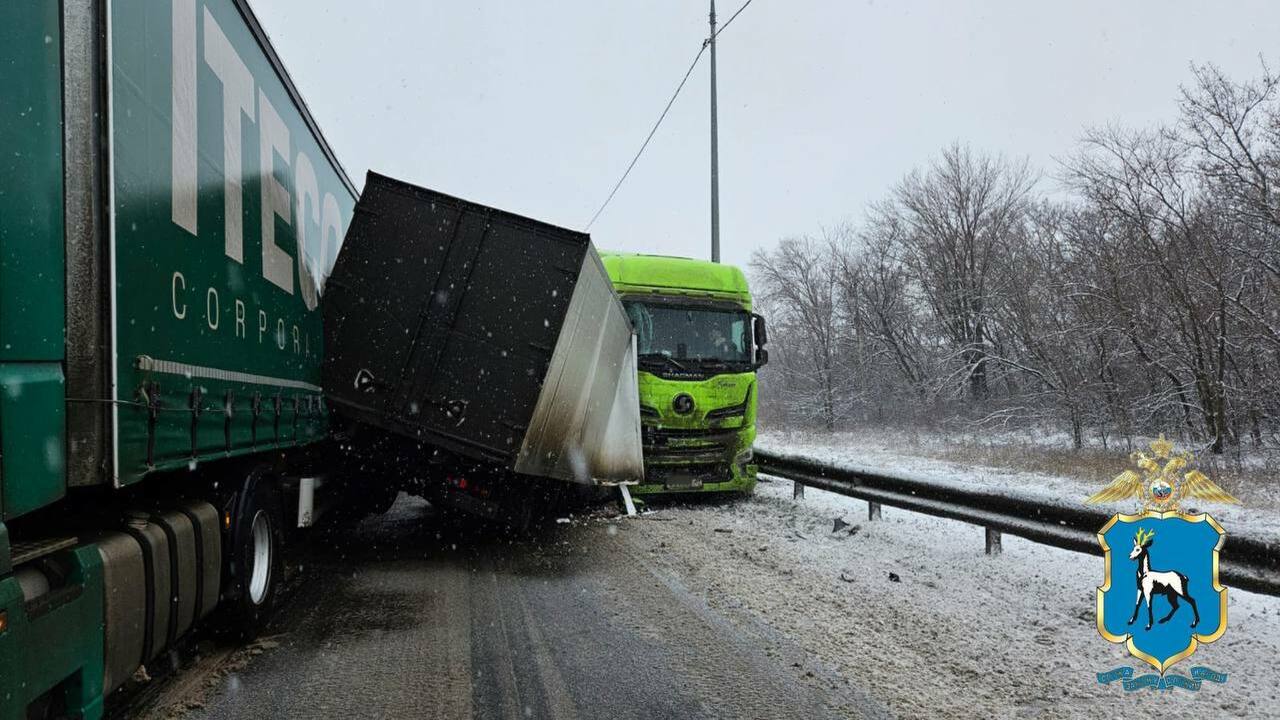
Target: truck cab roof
x,y
635,272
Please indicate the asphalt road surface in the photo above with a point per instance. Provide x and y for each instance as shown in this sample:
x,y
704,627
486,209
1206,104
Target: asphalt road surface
x,y
754,608
414,615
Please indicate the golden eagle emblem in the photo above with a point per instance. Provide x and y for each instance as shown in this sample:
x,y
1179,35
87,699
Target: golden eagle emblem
x,y
1162,484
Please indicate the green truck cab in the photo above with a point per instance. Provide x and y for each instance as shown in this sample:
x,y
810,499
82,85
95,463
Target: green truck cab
x,y
698,347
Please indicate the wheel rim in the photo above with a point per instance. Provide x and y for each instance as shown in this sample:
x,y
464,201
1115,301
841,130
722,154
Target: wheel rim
x,y
260,575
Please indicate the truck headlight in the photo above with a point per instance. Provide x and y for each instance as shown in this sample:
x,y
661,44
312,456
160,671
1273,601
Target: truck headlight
x,y
744,457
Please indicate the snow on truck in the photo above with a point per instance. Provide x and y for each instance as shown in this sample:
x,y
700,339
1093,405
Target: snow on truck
x,y
170,216
699,347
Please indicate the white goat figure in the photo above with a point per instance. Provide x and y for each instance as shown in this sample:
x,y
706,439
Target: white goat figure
x,y
1169,583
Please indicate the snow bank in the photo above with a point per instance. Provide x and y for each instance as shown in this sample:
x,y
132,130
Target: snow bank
x,y
892,453
959,633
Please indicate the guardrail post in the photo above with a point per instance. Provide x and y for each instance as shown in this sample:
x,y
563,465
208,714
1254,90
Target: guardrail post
x,y
797,491
993,542
1251,567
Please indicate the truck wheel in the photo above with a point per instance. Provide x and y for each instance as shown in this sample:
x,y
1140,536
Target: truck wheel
x,y
257,558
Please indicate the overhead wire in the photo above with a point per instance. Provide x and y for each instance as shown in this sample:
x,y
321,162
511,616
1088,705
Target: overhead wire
x,y
732,17
652,131
702,50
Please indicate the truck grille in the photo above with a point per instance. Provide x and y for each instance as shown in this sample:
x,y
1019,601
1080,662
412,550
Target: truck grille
x,y
666,446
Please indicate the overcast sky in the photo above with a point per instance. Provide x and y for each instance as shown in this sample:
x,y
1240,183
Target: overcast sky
x,y
537,106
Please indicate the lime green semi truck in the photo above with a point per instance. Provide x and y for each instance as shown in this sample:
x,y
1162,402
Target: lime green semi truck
x,y
169,213
698,349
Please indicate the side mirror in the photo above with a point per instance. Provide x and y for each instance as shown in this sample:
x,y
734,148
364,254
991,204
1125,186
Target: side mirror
x,y
762,336
762,357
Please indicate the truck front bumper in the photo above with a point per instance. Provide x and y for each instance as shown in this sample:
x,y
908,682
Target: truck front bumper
x,y
741,478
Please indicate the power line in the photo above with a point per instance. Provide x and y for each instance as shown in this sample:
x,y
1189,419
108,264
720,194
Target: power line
x,y
663,116
732,17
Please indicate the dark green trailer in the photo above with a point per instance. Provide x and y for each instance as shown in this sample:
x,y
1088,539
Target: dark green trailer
x,y
169,213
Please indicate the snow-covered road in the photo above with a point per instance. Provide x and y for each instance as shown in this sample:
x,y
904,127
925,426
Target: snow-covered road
x,y
717,608
958,634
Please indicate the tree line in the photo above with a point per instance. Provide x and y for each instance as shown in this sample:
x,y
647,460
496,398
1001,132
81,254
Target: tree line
x,y
1130,291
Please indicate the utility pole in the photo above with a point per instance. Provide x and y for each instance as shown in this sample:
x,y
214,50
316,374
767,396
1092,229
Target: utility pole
x,y
715,149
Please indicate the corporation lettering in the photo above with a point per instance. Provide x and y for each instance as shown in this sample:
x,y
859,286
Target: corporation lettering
x,y
291,200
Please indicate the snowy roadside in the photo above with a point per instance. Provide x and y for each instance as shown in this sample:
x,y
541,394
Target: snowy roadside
x,y
892,453
958,633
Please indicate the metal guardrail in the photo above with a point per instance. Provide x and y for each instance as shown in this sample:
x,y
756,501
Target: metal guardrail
x,y
1247,563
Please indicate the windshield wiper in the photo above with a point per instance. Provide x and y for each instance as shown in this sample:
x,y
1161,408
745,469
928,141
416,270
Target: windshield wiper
x,y
664,358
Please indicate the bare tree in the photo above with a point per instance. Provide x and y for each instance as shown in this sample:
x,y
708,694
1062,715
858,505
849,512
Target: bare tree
x,y
880,307
1169,231
951,222
1145,300
797,280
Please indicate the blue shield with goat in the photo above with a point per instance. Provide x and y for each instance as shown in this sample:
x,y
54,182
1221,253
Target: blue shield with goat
x,y
1161,595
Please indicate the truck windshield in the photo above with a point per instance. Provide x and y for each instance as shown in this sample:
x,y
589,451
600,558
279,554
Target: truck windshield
x,y
686,334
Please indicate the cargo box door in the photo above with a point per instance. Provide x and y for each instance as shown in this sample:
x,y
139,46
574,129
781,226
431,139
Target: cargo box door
x,y
586,424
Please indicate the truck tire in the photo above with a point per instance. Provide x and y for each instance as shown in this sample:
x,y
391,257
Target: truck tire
x,y
256,557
